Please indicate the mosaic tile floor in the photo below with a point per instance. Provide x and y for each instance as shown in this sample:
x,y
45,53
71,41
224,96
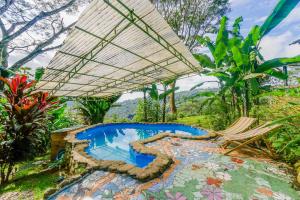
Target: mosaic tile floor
x,y
200,172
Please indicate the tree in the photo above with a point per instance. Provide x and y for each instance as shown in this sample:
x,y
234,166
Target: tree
x,y
156,97
165,94
151,111
24,124
145,107
31,28
188,19
93,109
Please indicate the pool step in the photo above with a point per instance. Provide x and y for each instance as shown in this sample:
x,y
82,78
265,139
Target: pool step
x,y
110,153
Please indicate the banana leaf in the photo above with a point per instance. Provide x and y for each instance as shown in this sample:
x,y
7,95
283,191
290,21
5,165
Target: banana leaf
x,y
204,60
277,62
277,74
236,26
252,39
206,42
281,11
221,42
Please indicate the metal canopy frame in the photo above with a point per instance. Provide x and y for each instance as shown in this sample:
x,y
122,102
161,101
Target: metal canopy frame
x,y
132,77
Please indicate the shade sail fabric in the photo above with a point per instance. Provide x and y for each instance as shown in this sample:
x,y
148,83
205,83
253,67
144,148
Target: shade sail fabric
x,y
116,46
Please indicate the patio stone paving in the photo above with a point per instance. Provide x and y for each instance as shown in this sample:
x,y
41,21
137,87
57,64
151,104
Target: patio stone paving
x,y
200,172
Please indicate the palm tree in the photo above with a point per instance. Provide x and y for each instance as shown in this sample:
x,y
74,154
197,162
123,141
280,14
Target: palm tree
x,y
154,94
94,109
173,108
166,93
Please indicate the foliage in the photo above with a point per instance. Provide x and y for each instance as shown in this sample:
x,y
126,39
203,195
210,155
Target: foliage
x,y
3,115
24,127
145,107
237,63
189,18
284,106
93,110
31,180
167,92
60,118
158,97
151,110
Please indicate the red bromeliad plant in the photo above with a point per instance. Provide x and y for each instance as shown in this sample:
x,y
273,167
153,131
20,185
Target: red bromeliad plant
x,y
25,128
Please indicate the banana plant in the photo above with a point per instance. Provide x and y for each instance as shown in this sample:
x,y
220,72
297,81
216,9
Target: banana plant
x,y
93,110
237,63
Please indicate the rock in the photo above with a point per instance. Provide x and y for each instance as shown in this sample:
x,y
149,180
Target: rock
x,y
49,192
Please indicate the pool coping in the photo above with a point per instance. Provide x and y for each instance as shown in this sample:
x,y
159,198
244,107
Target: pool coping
x,y
153,170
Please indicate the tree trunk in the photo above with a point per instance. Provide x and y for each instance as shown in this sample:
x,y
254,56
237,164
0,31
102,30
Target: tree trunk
x,y
173,108
3,62
246,100
164,109
145,107
157,111
225,108
6,169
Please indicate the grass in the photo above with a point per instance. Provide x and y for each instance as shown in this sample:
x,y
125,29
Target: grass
x,y
31,178
201,121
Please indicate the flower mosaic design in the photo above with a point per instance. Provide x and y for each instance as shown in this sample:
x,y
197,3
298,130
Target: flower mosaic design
x,y
197,175
177,196
212,193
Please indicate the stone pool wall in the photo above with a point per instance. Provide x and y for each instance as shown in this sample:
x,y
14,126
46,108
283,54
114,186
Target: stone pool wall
x,y
75,154
153,170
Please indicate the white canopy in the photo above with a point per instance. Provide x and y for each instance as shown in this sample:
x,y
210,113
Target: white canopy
x,y
116,46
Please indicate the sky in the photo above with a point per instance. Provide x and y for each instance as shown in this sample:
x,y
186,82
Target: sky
x,y
254,12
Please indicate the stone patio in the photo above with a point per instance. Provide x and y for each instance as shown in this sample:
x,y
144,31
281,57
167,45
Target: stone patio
x,y
200,171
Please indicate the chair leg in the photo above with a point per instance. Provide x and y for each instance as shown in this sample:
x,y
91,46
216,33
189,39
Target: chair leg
x,y
241,145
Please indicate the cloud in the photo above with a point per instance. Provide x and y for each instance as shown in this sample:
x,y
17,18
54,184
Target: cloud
x,y
237,3
278,46
261,19
293,17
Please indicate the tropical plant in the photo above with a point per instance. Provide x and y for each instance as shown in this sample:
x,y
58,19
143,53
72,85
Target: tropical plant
x,y
151,111
60,118
188,19
284,106
145,107
93,109
238,64
24,127
167,92
158,97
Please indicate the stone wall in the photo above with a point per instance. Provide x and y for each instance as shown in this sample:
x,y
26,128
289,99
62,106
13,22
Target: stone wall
x,y
58,142
151,171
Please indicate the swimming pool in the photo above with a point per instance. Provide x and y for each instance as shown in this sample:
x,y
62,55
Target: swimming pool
x,y
112,141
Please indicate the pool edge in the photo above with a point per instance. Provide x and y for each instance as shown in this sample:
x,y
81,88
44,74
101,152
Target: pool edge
x,y
75,153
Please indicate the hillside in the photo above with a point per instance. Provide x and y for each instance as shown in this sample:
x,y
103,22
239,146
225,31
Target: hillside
x,y
128,107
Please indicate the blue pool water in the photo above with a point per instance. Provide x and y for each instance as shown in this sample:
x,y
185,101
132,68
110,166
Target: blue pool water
x,y
112,141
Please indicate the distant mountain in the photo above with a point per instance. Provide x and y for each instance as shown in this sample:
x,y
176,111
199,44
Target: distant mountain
x,y
128,108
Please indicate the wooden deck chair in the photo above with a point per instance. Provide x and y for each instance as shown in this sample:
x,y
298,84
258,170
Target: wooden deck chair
x,y
248,137
240,125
